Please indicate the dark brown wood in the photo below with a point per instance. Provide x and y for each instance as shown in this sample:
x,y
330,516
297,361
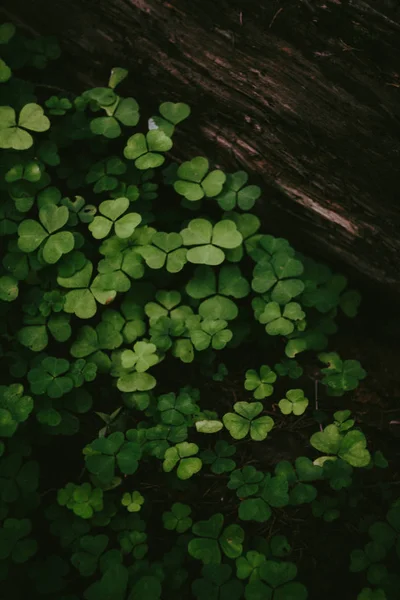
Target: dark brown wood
x,y
303,94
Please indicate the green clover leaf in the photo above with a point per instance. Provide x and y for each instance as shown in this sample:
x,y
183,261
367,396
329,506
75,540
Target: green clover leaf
x,y
13,135
244,420
279,276
175,410
340,376
141,358
208,240
219,458
351,446
260,383
216,582
182,455
165,249
236,193
133,501
295,403
145,150
278,321
278,578
245,481
32,233
14,541
81,499
193,181
172,114
112,211
273,492
15,408
87,556
178,518
212,539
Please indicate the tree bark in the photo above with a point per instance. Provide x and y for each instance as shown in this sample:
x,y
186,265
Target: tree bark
x,y
302,94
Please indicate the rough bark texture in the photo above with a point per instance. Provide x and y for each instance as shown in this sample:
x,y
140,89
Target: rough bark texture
x,y
303,94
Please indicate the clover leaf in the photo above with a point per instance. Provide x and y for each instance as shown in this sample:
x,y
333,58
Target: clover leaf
x,y
245,481
51,378
276,578
19,480
208,332
178,518
141,358
112,211
279,276
351,446
272,492
81,499
175,410
32,233
163,331
295,402
166,305
299,478
172,114
165,249
8,288
88,553
236,193
113,583
133,501
278,321
244,420
90,343
219,458
83,291
212,539
182,454
103,174
194,181
15,408
326,507
260,382
337,472
117,75
145,149
34,335
342,421
263,247
105,453
216,292
58,106
290,368
13,133
340,376
14,542
159,438
208,240
216,582
123,110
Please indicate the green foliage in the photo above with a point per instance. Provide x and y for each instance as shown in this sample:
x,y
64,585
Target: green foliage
x,y
81,499
295,402
178,517
245,420
212,538
350,446
260,383
112,290
340,376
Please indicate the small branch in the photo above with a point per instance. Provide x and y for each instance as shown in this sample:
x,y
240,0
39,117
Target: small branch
x,y
316,399
274,17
